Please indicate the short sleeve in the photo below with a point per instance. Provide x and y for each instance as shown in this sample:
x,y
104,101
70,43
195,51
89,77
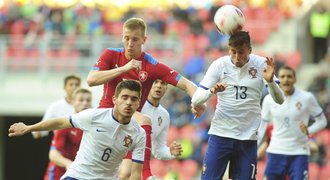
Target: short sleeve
x,y
83,119
212,75
314,107
138,149
167,74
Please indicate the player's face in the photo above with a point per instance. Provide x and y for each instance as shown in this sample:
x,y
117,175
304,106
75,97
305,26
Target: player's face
x,y
133,41
158,89
70,86
240,54
287,80
82,101
126,104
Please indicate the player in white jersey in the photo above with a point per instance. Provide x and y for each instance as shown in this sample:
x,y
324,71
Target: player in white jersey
x,y
237,80
108,134
160,123
61,107
288,151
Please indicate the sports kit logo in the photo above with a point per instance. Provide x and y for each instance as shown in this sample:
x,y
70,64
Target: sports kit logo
x,y
160,120
253,72
298,105
143,75
128,140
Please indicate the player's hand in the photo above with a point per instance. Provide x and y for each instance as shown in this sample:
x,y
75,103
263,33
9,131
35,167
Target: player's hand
x,y
218,87
269,70
198,110
133,64
303,128
175,149
17,129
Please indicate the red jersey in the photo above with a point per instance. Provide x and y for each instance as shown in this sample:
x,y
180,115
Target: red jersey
x,y
67,142
151,70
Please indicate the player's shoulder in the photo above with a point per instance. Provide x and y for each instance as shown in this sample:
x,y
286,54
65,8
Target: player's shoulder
x,y
256,59
150,59
115,50
303,94
163,110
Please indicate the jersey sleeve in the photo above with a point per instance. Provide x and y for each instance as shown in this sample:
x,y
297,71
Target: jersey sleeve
x,y
314,107
59,139
104,62
138,149
160,150
212,75
83,119
167,74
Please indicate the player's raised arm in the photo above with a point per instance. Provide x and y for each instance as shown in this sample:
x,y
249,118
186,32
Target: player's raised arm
x,y
19,129
273,88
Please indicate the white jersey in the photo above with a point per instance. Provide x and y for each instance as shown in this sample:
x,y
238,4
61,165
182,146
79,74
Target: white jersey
x,y
238,112
287,138
104,144
59,108
160,120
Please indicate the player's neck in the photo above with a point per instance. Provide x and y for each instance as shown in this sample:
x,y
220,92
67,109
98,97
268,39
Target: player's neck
x,y
119,118
289,93
153,102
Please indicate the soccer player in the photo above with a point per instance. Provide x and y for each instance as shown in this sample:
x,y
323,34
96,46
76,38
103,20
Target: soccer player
x,y
160,123
238,80
108,134
288,150
61,107
65,143
131,62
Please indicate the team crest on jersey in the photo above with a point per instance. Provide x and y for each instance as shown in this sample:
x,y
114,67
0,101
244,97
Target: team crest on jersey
x,y
128,140
253,72
143,75
298,105
204,168
160,120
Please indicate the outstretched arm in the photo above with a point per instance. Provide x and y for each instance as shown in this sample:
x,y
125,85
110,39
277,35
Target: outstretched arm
x,y
19,129
273,89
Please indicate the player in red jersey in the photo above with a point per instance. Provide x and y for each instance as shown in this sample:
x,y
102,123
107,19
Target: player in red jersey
x,y
131,62
65,143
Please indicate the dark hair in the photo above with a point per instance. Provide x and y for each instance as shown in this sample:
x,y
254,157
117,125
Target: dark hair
x,y
240,38
288,68
67,78
132,85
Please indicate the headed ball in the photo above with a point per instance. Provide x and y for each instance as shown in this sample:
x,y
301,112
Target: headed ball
x,y
229,19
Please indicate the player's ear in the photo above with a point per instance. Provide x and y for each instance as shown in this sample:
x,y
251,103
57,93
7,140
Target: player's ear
x,y
144,39
113,99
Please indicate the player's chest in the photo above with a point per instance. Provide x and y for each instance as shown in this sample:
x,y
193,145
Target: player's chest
x,y
247,76
293,108
146,73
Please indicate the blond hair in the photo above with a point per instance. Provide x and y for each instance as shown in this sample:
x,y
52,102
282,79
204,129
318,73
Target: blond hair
x,y
136,23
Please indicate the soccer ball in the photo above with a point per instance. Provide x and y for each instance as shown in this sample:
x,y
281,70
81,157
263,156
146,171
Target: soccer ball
x,y
229,19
